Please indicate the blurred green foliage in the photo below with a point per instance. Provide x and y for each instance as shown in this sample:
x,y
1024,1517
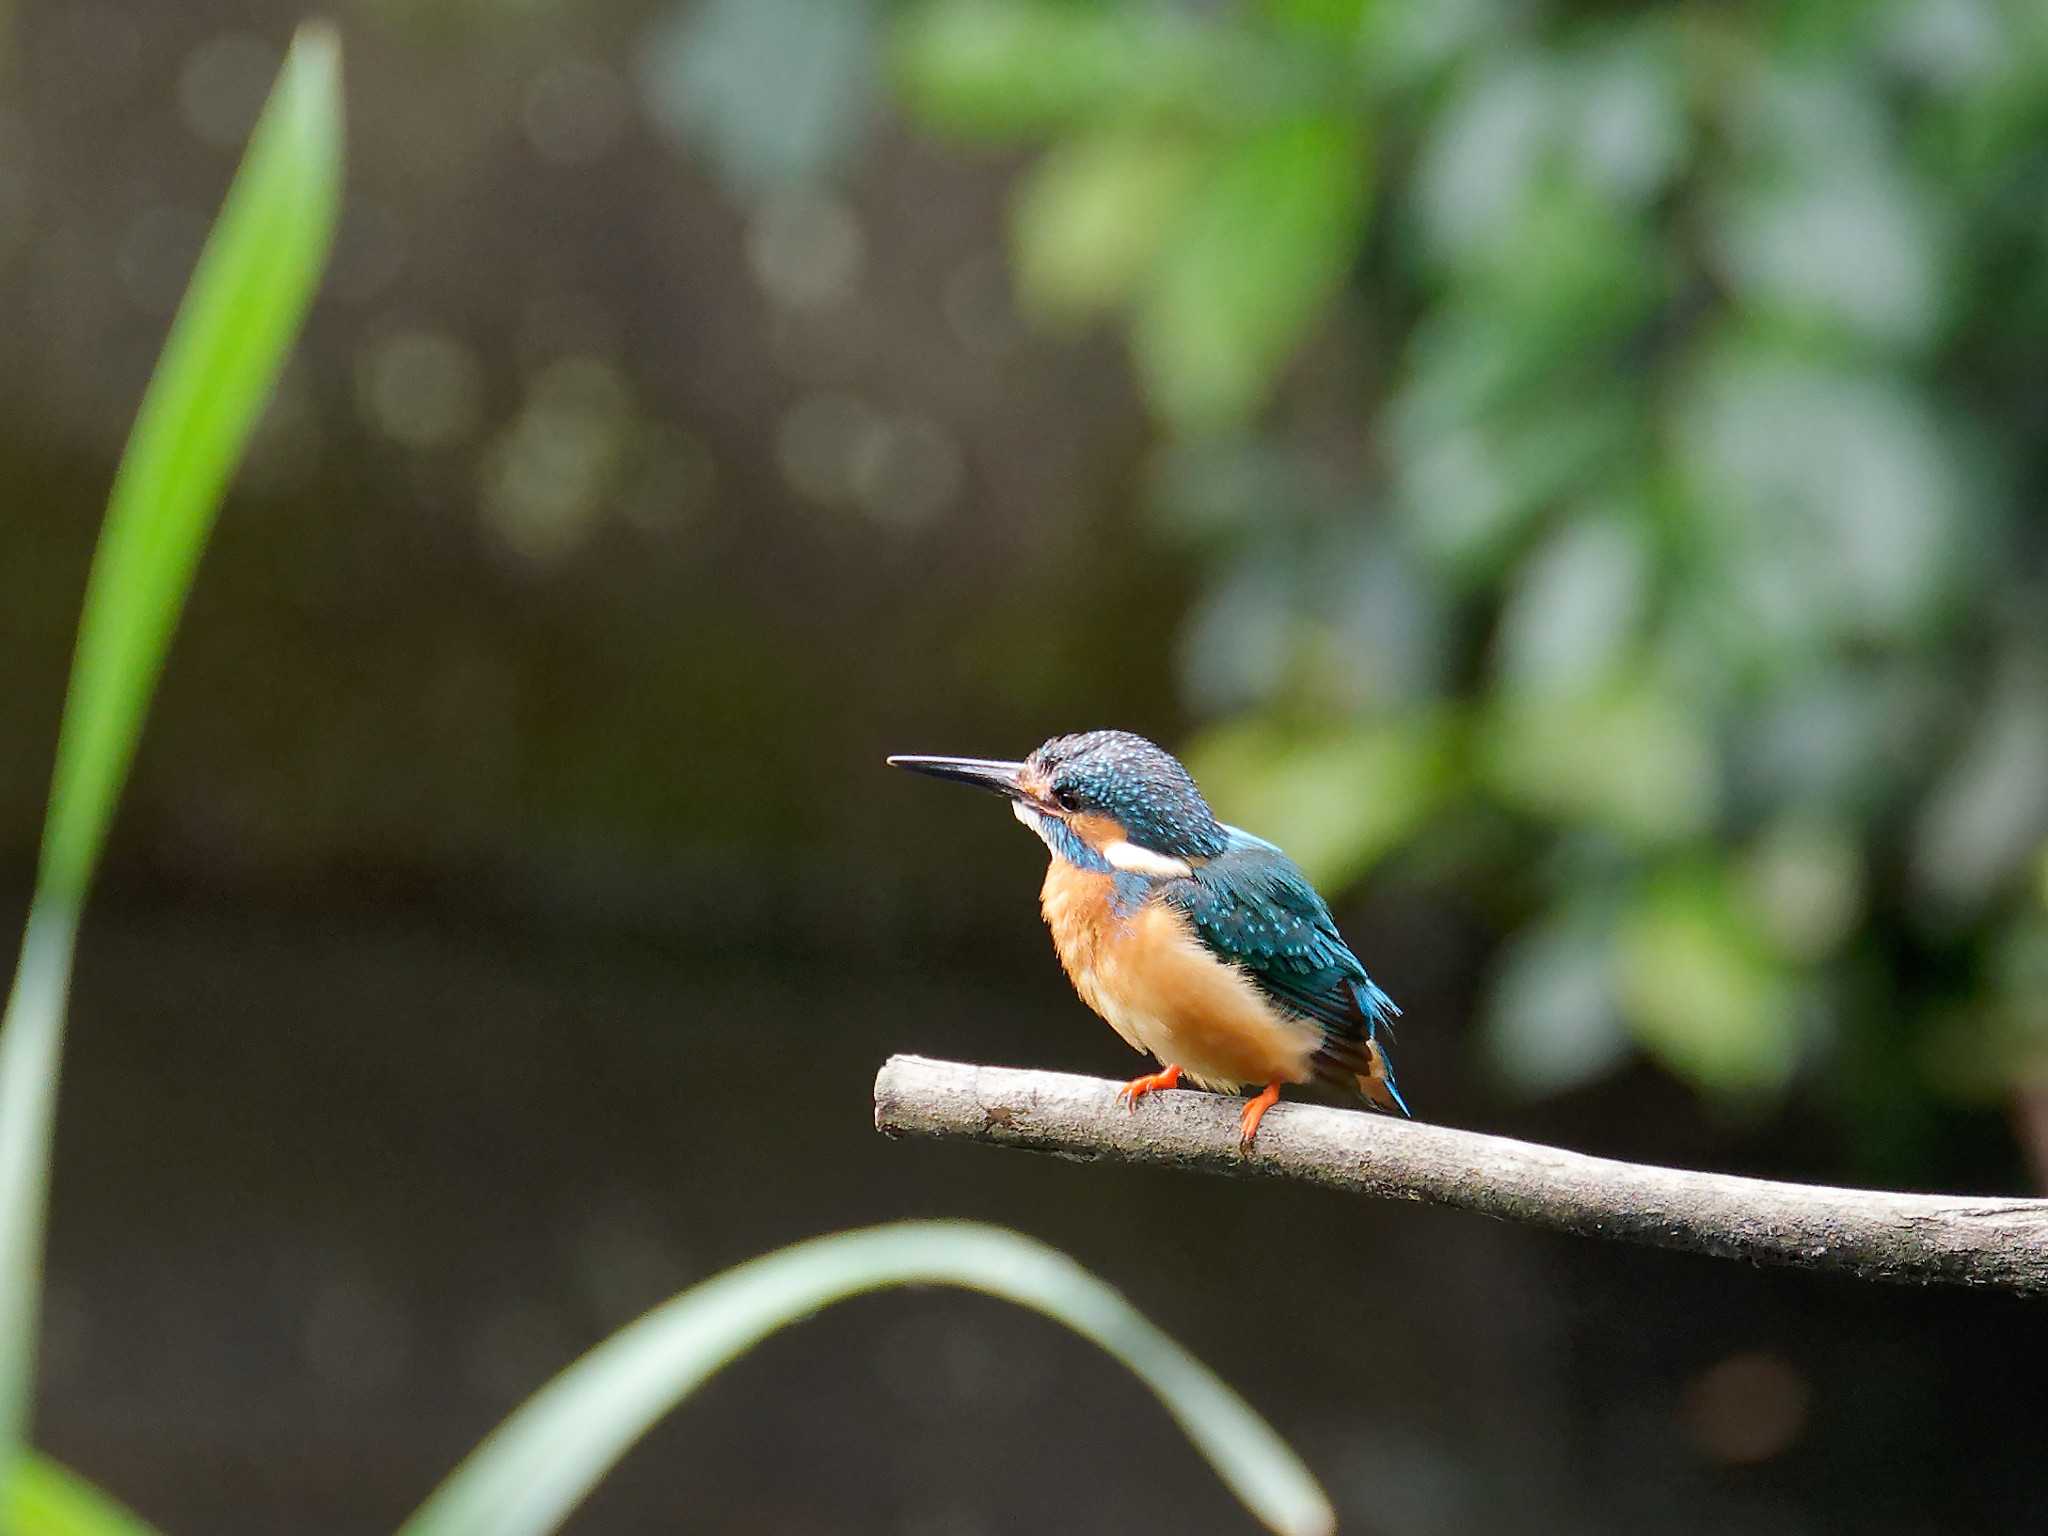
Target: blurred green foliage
x,y
1610,435
44,1499
1680,584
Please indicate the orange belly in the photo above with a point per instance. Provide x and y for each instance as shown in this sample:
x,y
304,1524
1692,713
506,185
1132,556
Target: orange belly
x,y
1159,988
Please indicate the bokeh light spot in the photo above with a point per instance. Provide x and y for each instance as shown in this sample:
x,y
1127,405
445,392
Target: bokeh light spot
x,y
546,476
420,388
820,438
899,470
805,250
1748,1408
908,473
1807,880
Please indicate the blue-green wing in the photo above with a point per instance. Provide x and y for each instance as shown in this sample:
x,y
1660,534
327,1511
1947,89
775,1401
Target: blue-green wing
x,y
1254,908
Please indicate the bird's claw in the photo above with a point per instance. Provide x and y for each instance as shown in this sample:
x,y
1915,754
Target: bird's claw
x,y
1249,1117
1152,1082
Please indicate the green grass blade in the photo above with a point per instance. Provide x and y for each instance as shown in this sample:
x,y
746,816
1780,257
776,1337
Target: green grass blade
x,y
533,1470
44,1499
30,1046
245,304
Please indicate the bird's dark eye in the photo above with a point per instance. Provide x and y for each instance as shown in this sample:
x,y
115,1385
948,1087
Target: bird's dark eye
x,y
1064,797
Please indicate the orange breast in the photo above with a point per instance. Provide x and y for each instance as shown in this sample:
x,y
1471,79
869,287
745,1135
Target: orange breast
x,y
1160,989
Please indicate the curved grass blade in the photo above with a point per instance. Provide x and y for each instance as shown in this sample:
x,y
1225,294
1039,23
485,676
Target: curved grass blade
x,y
245,304
535,1467
246,301
45,1499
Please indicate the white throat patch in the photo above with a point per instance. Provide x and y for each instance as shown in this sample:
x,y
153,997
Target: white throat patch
x,y
1133,860
1122,855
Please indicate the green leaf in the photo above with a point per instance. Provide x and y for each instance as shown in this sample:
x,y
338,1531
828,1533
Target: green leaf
x,y
1337,801
1826,223
1805,877
1628,755
534,1469
45,1499
1832,500
1092,216
1251,268
247,298
1997,1034
1000,69
1700,985
1988,810
1574,604
1336,20
1552,1023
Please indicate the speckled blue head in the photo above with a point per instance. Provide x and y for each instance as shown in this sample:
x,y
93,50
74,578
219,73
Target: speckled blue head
x,y
1101,800
1138,785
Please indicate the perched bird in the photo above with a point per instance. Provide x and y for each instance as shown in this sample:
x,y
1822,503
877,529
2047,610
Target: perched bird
x,y
1198,942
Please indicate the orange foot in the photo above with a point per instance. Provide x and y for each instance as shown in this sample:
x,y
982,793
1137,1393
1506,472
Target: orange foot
x,y
1253,1112
1152,1082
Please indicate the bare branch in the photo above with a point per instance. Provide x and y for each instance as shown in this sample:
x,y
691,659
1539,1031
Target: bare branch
x,y
1913,1239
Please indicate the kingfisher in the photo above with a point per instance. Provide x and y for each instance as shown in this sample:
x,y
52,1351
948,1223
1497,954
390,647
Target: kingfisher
x,y
1200,944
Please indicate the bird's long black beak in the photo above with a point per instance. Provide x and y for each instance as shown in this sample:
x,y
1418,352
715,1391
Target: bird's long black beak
x,y
983,772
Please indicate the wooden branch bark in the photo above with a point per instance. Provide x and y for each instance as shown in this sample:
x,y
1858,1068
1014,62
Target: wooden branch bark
x,y
1912,1239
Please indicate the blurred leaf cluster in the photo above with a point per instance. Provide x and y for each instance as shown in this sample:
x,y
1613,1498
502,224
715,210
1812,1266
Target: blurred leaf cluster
x,y
1610,436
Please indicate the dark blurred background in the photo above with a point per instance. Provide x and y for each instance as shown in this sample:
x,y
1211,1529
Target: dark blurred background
x,y
1569,472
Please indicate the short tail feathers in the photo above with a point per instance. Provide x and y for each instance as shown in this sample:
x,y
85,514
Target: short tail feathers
x,y
1378,1085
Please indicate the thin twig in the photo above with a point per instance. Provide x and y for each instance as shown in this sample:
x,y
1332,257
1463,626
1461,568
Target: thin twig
x,y
1878,1235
